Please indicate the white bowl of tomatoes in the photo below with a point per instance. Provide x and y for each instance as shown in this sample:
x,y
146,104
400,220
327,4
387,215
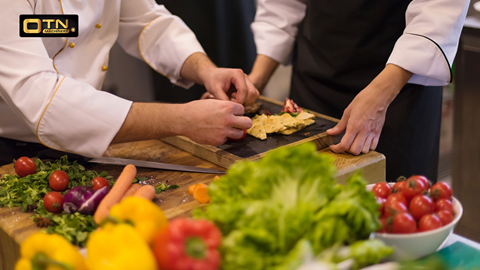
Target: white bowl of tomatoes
x,y
419,225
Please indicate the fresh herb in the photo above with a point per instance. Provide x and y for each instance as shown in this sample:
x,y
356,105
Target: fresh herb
x,y
74,227
26,191
163,187
292,114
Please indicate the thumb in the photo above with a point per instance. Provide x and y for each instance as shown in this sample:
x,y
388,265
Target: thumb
x,y
339,128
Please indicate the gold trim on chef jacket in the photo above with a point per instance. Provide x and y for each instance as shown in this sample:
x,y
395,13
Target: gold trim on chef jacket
x,y
98,25
104,68
71,45
141,50
41,117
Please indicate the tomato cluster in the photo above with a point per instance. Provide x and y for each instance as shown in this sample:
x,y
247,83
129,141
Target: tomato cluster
x,y
411,205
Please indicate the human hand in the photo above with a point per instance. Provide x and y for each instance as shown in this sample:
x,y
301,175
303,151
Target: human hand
x,y
364,117
211,121
224,83
362,122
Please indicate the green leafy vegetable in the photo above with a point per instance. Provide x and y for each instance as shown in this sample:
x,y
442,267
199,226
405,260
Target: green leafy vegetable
x,y
25,191
163,187
74,227
28,192
265,208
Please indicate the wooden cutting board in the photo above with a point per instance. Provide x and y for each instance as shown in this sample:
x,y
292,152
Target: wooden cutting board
x,y
251,148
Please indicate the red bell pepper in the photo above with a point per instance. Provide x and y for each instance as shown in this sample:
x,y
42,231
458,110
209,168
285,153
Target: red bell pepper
x,y
187,244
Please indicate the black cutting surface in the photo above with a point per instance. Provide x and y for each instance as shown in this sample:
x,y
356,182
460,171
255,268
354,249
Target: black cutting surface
x,y
251,146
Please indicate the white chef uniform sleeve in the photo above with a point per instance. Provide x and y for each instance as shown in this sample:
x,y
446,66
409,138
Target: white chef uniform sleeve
x,y
429,43
148,31
64,114
275,27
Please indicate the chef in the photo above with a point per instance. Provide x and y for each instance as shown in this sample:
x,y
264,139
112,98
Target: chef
x,y
377,65
50,86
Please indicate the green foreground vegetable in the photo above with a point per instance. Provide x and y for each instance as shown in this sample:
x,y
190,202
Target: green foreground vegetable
x,y
27,192
266,210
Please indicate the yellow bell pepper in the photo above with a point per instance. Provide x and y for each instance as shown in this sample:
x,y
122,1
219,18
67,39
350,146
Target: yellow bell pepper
x,y
119,247
49,252
144,215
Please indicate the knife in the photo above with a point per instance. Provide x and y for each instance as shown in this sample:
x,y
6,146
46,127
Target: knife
x,y
54,154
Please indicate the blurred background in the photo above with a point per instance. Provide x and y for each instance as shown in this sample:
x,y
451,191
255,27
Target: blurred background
x,y
223,29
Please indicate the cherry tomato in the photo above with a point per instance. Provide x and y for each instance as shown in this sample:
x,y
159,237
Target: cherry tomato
x,y
444,204
441,190
421,205
444,216
398,187
53,202
396,197
381,190
58,180
403,223
384,228
429,222
241,138
25,166
381,202
394,208
421,178
99,182
413,188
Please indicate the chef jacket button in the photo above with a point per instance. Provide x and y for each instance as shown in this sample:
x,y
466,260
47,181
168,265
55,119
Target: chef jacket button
x,y
104,68
72,45
98,26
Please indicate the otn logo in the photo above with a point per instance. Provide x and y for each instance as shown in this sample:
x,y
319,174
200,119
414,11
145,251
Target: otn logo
x,y
49,25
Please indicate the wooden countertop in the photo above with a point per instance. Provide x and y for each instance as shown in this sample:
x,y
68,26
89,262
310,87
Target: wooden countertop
x,y
17,226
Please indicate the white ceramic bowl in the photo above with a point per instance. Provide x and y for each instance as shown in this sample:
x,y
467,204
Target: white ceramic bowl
x,y
416,245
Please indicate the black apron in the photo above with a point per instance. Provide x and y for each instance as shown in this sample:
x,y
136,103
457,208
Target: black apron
x,y
341,47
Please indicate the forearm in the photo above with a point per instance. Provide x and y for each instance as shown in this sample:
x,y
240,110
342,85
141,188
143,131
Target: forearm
x,y
147,121
386,86
262,70
196,68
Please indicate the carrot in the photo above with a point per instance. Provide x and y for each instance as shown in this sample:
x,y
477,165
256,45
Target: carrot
x,y
146,192
131,190
116,193
192,188
216,178
201,193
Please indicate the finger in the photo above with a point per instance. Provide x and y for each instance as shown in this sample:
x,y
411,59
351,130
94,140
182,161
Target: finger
x,y
241,122
340,127
252,94
207,95
345,143
240,84
234,133
237,109
357,144
374,144
219,93
368,143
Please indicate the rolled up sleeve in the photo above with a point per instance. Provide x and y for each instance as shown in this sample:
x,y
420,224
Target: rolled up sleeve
x,y
275,27
64,114
429,43
150,32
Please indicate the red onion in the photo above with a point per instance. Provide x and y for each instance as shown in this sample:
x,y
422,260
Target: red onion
x,y
83,199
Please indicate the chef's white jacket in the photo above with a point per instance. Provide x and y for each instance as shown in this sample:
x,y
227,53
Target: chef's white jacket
x,y
427,22
50,86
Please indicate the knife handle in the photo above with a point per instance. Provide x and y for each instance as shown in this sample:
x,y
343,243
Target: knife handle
x,y
55,154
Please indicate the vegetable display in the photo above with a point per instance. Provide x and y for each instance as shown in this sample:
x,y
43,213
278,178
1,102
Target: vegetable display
x,y
83,199
49,251
187,244
119,247
412,205
265,209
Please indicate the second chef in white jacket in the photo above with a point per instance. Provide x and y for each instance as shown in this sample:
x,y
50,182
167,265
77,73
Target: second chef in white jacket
x,y
50,86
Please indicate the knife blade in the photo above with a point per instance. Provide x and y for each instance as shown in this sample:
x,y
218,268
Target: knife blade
x,y
55,154
155,165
